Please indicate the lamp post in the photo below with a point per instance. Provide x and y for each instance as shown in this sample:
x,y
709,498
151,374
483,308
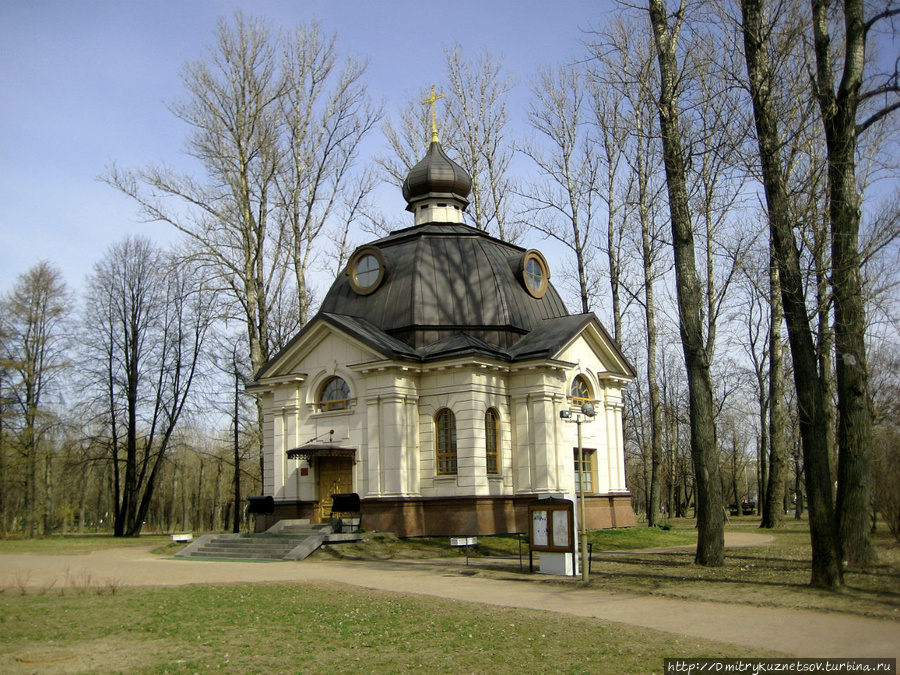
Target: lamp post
x,y
588,411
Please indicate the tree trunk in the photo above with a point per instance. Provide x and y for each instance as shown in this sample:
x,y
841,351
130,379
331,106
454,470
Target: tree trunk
x,y
236,479
708,493
773,512
48,495
656,451
826,566
854,433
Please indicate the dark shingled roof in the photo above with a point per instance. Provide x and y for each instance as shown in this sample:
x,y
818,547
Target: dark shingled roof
x,y
549,337
443,279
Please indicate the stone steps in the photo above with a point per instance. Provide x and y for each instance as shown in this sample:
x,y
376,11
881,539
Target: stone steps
x,y
286,540
255,547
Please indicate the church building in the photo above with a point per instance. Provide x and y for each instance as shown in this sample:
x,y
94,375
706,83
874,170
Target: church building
x,y
432,380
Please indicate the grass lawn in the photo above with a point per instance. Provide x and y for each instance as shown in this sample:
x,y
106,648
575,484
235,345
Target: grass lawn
x,y
305,628
302,628
773,575
79,544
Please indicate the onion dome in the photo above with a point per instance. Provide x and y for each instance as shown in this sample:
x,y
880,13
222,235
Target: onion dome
x,y
436,177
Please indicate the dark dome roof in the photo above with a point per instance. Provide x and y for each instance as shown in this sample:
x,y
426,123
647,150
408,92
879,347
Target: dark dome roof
x,y
445,279
436,176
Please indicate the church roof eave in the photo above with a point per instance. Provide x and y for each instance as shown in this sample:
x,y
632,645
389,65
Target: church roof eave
x,y
541,346
357,328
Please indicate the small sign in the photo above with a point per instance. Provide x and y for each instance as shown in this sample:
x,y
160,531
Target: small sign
x,y
539,528
463,541
561,528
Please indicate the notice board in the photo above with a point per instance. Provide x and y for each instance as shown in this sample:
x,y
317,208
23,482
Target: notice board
x,y
551,525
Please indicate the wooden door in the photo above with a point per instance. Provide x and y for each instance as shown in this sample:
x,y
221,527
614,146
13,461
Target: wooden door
x,y
335,476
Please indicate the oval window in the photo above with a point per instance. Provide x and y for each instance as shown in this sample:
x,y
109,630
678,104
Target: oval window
x,y
535,274
366,270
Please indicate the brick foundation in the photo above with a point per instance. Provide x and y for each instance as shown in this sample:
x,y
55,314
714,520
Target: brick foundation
x,y
458,516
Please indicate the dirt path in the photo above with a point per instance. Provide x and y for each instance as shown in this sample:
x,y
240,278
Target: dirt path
x,y
792,632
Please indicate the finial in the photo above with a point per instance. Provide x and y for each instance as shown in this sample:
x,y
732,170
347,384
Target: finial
x,y
432,100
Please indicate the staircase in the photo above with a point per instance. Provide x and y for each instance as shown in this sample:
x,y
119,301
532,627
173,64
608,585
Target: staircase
x,y
286,540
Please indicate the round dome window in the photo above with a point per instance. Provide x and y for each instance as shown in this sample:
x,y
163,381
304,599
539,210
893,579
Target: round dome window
x,y
534,273
366,270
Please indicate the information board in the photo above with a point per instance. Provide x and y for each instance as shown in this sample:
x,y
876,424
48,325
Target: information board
x,y
551,525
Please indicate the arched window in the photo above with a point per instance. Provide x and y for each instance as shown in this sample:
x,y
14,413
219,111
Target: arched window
x,y
334,395
492,440
446,442
581,393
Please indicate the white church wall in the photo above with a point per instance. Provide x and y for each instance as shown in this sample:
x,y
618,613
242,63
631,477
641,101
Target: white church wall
x,y
389,448
291,418
391,423
603,434
536,394
469,392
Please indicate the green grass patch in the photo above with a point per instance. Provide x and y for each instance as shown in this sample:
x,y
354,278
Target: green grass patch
x,y
79,544
630,538
310,629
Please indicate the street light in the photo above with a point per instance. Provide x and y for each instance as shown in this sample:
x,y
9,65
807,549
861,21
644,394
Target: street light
x,y
588,411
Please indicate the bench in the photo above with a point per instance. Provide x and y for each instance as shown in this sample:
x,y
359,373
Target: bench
x,y
182,538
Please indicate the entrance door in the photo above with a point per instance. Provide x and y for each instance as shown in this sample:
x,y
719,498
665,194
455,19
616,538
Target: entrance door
x,y
335,476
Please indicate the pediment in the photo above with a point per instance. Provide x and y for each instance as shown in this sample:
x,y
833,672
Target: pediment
x,y
607,351
319,341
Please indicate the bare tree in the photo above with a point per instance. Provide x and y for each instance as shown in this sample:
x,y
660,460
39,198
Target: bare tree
x,y
773,507
145,323
275,126
842,98
238,407
4,463
666,29
232,110
472,126
408,135
886,427
476,109
325,114
562,201
826,569
624,108
612,130
32,325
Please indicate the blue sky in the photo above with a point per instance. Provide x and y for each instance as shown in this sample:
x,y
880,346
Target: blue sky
x,y
85,83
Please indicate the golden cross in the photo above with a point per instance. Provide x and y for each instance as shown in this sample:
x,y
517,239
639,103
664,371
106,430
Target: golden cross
x,y
432,100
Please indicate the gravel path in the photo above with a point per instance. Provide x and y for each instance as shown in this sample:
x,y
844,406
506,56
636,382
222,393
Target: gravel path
x,y
800,633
